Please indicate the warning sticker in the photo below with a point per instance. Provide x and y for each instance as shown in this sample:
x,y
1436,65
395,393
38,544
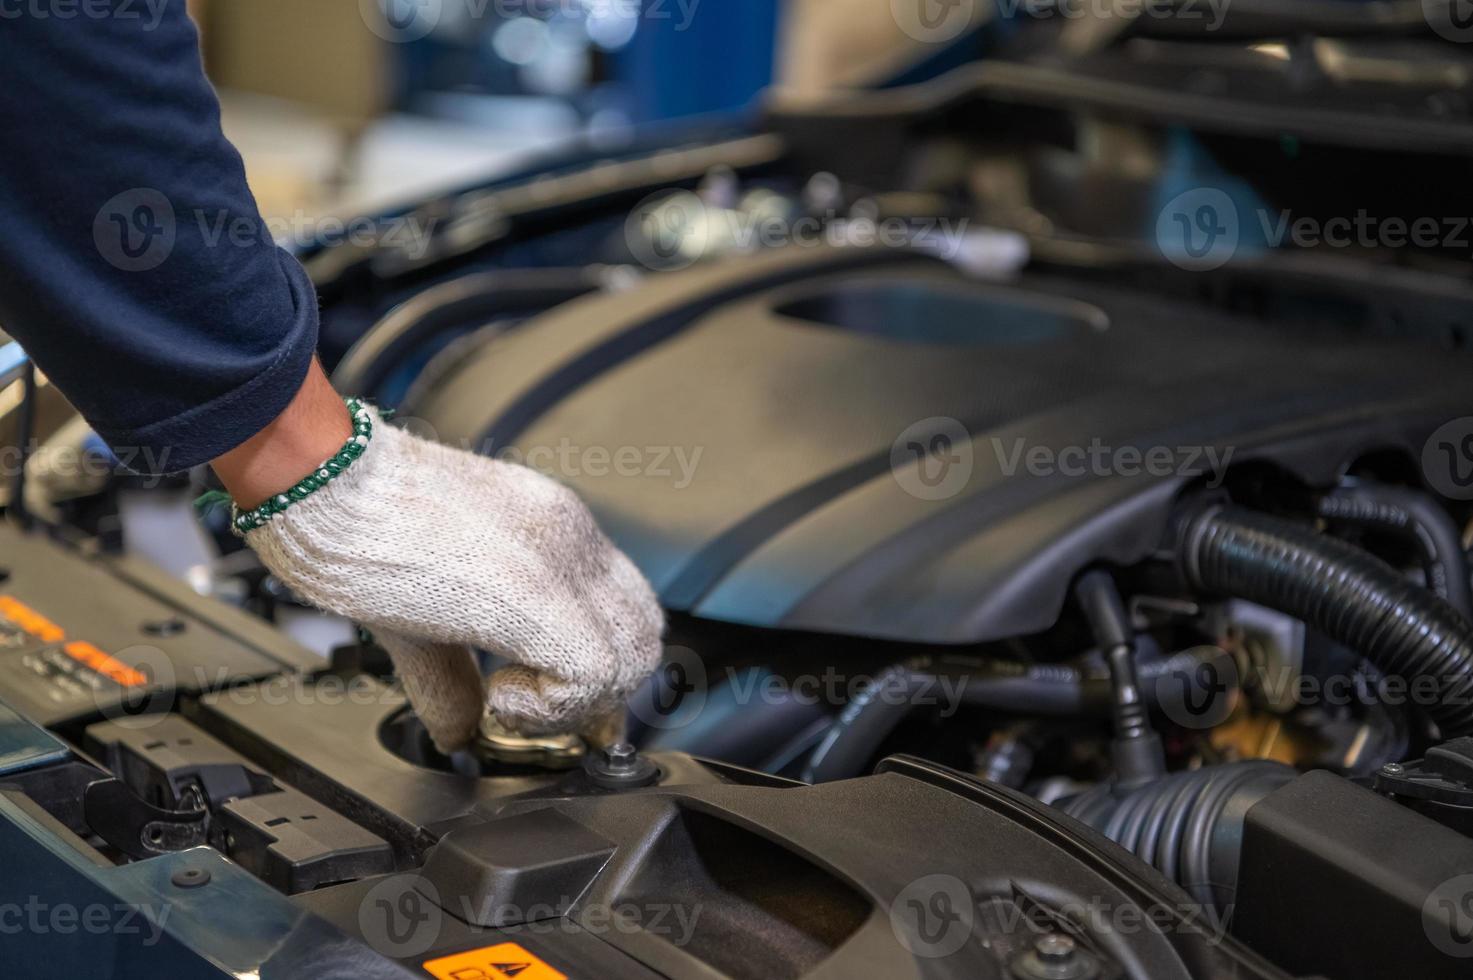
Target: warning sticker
x,y
504,961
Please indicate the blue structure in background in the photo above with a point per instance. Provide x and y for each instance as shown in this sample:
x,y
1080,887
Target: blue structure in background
x,y
691,57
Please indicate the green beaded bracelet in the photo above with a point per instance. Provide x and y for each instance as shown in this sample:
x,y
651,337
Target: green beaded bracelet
x,y
248,520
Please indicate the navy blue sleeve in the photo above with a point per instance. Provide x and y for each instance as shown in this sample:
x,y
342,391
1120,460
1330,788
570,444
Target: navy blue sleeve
x,y
134,264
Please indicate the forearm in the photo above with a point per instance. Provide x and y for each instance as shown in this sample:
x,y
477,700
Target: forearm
x,y
314,425
135,267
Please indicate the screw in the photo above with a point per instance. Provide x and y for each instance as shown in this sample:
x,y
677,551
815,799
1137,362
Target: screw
x,y
1393,769
1056,956
1054,949
620,755
620,766
190,877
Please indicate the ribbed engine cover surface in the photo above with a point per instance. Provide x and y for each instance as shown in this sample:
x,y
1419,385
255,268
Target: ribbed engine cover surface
x,y
870,444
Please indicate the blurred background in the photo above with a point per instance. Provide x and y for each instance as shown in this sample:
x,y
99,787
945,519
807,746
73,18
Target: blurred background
x,y
356,105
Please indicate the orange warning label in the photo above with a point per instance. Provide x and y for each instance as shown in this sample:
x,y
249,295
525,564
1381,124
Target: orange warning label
x,y
29,620
505,961
105,664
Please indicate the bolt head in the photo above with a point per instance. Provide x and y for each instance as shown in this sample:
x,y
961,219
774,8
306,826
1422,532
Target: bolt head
x,y
1054,948
620,755
1392,768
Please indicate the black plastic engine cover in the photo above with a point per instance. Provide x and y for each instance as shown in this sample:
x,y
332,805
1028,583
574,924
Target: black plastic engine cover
x,y
740,882
864,442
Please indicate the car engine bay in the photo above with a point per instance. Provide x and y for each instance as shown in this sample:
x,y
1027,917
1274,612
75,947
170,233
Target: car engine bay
x,y
1052,596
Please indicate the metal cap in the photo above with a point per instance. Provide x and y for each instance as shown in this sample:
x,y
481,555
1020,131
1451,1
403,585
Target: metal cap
x,y
500,744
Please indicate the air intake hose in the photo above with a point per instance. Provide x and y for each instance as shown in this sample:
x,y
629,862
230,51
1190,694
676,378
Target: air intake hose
x,y
1188,825
1349,595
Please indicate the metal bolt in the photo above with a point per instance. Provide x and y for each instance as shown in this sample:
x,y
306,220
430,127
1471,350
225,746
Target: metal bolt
x,y
1393,768
620,766
620,755
1055,949
1056,956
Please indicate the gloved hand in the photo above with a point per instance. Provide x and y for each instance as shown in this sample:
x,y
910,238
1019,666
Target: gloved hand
x,y
437,550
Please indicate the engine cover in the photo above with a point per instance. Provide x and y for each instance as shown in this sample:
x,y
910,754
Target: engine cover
x,y
866,442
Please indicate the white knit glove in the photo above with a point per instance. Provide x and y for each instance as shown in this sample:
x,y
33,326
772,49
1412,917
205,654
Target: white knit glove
x,y
437,550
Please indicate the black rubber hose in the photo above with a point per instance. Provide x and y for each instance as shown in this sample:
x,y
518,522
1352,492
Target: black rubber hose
x,y
1057,690
1414,516
1188,825
1351,596
1136,748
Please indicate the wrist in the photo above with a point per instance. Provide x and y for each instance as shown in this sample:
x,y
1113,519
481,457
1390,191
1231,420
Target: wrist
x,y
313,426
